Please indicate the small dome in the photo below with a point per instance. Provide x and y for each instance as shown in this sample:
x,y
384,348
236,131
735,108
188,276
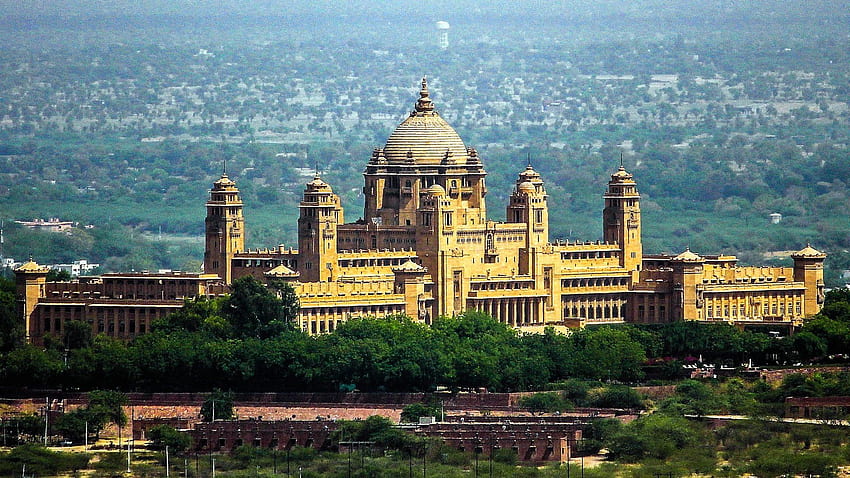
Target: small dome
x,y
317,183
688,256
31,266
224,182
281,271
437,190
529,173
621,175
808,252
526,187
409,266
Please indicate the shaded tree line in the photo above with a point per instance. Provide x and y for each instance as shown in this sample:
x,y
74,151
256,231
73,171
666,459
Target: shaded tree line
x,y
247,342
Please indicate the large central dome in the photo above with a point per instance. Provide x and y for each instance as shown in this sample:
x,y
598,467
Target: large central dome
x,y
424,137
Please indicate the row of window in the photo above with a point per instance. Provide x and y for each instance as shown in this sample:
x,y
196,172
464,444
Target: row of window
x,y
595,282
256,442
736,310
515,285
651,316
374,262
103,326
573,256
611,311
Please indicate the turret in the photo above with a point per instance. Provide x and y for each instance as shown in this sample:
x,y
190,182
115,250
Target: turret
x,y
29,287
808,269
687,270
621,218
528,205
225,228
321,214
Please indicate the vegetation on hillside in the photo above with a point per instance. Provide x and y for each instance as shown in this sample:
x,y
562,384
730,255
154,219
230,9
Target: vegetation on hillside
x,y
724,116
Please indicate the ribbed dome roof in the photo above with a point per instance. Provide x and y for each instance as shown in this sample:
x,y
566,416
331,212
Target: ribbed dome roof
x,y
526,187
31,266
424,136
808,251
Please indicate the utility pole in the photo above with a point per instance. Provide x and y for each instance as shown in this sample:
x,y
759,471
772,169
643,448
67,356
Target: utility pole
x,y
46,417
167,468
128,453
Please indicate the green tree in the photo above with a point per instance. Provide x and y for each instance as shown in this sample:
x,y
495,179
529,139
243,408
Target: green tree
x,y
255,311
218,405
656,436
391,353
76,334
544,402
73,425
107,406
376,429
614,396
606,353
58,275
163,436
198,314
11,327
412,412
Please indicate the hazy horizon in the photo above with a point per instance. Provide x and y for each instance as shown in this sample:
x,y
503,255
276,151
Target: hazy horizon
x,y
428,10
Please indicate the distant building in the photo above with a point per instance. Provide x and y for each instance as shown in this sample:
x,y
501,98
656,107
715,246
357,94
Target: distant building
x,y
443,34
51,225
426,248
775,218
76,268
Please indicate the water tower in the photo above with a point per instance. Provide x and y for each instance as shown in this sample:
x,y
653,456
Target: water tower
x,y
443,34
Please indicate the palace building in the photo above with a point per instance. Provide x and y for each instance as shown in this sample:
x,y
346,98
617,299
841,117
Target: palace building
x,y
426,248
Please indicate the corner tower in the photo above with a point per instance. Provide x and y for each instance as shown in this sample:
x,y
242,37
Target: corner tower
x,y
321,214
808,269
29,287
528,205
621,218
225,228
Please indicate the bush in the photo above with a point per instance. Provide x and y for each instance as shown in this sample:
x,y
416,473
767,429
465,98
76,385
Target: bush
x,y
412,412
163,436
615,396
40,461
505,455
544,402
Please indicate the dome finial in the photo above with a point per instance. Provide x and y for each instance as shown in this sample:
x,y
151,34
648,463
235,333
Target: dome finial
x,y
424,104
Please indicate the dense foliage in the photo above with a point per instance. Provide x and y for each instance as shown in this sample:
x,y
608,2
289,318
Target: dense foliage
x,y
104,407
37,460
246,342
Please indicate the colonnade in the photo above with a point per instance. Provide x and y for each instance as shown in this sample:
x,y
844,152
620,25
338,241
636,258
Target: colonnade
x,y
772,304
595,308
320,320
514,311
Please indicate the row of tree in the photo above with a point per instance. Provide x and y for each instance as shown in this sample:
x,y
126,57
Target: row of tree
x,y
246,342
